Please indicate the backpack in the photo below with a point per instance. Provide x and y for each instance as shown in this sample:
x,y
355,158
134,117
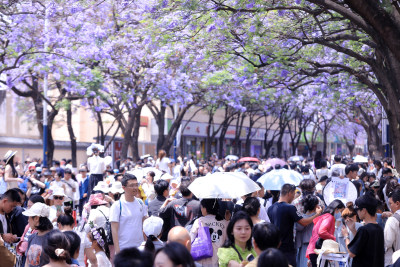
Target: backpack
x,y
107,228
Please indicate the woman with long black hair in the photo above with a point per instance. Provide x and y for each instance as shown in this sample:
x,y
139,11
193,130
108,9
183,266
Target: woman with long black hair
x,y
11,173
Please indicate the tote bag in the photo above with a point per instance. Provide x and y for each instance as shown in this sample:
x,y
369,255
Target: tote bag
x,y
202,245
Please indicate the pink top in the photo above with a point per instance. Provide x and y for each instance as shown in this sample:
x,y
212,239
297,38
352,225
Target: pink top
x,y
324,227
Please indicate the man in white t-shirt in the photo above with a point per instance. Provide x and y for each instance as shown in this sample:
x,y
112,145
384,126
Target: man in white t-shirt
x,y
338,166
127,216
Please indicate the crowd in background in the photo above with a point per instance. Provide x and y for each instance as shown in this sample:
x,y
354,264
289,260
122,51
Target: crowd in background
x,y
103,215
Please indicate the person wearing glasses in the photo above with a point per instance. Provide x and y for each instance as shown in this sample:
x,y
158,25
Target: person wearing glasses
x,y
283,215
127,216
57,208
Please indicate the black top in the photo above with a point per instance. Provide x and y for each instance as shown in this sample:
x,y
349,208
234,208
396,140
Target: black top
x,y
283,216
181,211
368,246
155,204
17,220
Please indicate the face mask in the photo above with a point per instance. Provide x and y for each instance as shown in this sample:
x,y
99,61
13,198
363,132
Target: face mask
x,y
338,216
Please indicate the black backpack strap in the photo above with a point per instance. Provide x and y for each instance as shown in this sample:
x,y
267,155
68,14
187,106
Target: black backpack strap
x,y
240,256
104,216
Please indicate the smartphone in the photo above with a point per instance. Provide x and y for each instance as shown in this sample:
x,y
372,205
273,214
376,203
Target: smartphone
x,y
250,257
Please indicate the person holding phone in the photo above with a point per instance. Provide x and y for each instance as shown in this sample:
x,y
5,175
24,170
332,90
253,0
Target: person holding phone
x,y
57,208
238,249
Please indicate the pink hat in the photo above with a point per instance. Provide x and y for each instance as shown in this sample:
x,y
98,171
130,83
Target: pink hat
x,y
96,199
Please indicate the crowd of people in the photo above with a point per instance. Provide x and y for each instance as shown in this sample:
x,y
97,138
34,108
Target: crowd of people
x,y
103,215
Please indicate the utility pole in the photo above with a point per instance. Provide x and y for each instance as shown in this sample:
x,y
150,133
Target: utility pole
x,y
45,87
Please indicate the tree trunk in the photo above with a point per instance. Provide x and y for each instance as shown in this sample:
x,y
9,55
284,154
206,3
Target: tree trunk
x,y
221,140
100,137
325,143
71,136
209,138
135,134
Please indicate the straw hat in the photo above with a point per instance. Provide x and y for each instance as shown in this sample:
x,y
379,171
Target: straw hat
x,y
329,246
9,155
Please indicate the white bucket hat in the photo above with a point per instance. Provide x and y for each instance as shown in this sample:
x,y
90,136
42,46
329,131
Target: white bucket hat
x,y
116,188
153,226
38,209
102,186
59,191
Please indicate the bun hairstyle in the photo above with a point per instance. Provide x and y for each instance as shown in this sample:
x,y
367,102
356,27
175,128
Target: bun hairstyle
x,y
309,202
56,246
349,210
66,219
251,206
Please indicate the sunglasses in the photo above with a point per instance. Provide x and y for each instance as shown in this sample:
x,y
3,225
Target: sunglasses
x,y
58,197
31,170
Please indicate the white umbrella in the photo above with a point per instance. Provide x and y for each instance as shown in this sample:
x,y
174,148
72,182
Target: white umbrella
x,y
231,157
223,185
360,159
296,158
274,179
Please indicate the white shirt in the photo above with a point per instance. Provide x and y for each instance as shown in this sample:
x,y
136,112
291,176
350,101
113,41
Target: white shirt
x,y
4,222
53,215
102,260
96,165
96,216
163,165
323,172
392,238
130,222
69,185
338,167
85,243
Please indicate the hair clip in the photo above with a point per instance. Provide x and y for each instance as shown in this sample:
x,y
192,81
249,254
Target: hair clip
x,y
59,251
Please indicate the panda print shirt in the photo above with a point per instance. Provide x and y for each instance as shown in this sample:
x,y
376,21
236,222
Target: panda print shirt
x,y
218,236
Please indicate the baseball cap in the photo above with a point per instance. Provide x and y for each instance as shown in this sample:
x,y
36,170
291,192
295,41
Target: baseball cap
x,y
38,209
153,226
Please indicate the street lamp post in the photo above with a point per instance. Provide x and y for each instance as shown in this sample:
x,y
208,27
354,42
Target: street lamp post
x,y
45,87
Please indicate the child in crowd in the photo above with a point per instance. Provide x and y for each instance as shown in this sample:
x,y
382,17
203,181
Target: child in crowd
x,y
98,238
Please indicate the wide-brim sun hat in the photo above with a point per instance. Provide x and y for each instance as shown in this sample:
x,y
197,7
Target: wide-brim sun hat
x,y
9,155
116,188
59,191
102,186
38,209
96,200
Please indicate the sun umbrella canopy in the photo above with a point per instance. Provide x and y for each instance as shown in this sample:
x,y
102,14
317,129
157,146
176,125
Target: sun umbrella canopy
x,y
296,158
274,179
360,159
250,159
275,161
223,185
231,157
